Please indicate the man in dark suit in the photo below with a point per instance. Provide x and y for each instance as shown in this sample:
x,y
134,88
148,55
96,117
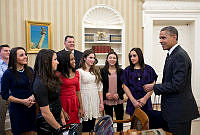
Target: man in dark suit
x,y
178,105
70,46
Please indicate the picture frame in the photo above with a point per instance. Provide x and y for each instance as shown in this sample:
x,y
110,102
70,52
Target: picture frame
x,y
38,36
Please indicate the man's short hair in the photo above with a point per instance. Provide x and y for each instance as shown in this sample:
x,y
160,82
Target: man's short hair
x,y
5,45
68,36
171,31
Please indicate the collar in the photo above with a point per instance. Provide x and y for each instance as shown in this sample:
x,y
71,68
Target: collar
x,y
69,50
2,62
171,50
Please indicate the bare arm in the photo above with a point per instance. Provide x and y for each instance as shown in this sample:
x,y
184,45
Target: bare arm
x,y
27,101
101,106
146,97
48,116
81,112
62,117
130,96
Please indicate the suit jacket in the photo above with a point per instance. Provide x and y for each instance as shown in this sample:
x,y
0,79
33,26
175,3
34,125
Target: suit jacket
x,y
77,55
177,103
104,75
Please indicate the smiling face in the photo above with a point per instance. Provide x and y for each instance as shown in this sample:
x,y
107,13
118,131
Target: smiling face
x,y
72,61
54,62
134,57
112,59
90,59
5,52
69,44
22,58
167,41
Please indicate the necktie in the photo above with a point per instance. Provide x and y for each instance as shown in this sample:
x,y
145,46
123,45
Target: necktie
x,y
167,57
165,66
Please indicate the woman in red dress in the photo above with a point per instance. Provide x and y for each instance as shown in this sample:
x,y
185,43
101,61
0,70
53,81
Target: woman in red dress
x,y
70,88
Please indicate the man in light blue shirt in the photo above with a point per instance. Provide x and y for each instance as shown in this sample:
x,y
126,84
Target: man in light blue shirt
x,y
4,58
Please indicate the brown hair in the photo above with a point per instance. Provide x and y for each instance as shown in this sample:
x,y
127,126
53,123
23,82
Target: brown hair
x,y
92,69
43,69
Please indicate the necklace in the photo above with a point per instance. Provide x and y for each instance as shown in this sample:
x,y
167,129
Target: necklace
x,y
21,70
139,76
72,75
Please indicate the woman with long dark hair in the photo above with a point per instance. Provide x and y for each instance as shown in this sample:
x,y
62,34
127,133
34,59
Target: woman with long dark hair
x,y
112,88
134,77
70,88
16,88
46,89
91,90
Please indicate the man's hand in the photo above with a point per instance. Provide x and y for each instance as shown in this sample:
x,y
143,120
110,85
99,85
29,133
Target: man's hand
x,y
148,87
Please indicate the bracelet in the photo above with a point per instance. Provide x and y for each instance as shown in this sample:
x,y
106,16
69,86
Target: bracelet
x,y
132,101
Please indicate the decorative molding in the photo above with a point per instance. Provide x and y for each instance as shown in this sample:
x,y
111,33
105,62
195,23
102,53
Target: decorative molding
x,y
103,16
169,5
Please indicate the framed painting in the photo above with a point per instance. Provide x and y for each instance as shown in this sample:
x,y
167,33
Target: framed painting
x,y
38,36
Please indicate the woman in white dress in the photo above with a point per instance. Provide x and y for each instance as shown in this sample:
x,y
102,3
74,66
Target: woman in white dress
x,y
91,90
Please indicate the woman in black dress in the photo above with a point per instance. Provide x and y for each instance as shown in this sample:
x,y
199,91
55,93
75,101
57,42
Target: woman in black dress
x,y
16,88
46,89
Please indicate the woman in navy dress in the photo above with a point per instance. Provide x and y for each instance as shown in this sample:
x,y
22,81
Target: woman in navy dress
x,y
16,88
134,77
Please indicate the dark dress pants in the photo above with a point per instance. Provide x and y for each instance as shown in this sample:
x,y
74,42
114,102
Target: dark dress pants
x,y
183,128
3,111
156,120
88,126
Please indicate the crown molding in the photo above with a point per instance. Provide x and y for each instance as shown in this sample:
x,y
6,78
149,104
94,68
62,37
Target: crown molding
x,y
171,5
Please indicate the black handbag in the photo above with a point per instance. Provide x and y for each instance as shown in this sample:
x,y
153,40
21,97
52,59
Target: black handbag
x,y
43,128
71,129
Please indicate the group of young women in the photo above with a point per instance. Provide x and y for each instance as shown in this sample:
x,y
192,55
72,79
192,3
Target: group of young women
x,y
66,95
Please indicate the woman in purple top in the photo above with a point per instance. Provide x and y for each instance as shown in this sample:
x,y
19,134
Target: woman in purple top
x,y
134,77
